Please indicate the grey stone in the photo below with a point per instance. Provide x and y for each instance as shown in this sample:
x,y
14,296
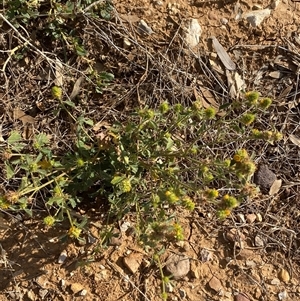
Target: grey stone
x,y
264,178
255,18
144,28
178,266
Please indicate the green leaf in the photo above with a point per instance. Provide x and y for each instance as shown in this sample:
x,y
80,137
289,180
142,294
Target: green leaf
x,y
117,179
69,103
72,202
170,143
105,14
80,50
225,106
28,211
42,139
107,77
14,141
14,138
9,171
88,121
58,200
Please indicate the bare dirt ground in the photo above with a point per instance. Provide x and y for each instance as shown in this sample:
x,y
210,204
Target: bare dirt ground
x,y
253,255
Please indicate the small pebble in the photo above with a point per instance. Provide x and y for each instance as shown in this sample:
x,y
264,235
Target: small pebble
x,y
259,242
83,292
275,281
144,28
224,21
282,295
62,257
284,275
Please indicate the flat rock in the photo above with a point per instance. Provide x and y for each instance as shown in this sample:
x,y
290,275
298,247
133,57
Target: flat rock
x,y
178,266
133,262
76,287
256,17
264,178
192,33
215,284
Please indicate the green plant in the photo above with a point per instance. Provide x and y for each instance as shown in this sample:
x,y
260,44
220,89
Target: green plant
x,y
58,19
158,161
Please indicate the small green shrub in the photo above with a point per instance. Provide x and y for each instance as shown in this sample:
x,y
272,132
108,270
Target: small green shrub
x,y
60,20
157,162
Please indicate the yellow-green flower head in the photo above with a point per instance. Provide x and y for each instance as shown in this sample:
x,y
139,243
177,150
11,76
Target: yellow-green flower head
x,y
197,105
247,118
49,220
250,190
204,169
267,135
12,197
229,202
164,107
277,136
74,232
45,164
208,177
222,214
247,168
264,103
227,162
164,296
80,162
194,150
210,113
257,134
252,97
3,203
147,113
34,167
168,135
171,197
56,92
125,186
240,156
57,191
155,201
211,193
178,231
188,203
178,108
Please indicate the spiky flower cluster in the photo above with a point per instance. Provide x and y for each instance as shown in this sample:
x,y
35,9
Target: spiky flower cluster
x,y
74,232
211,194
188,203
269,136
56,92
178,231
247,118
252,99
171,197
243,164
49,220
125,186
